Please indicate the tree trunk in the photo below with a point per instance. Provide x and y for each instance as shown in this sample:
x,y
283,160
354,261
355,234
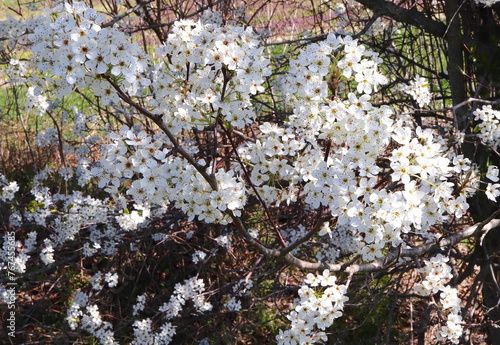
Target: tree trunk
x,y
454,41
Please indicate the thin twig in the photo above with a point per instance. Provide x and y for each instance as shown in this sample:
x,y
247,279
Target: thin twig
x,y
127,13
247,175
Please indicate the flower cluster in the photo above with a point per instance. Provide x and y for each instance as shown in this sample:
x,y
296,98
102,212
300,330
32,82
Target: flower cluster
x,y
345,177
17,263
378,179
7,189
77,211
198,256
81,312
88,316
47,137
15,254
306,85
241,288
47,252
102,330
74,312
159,179
140,304
191,289
66,215
492,189
98,278
144,334
35,100
436,271
207,75
486,2
321,302
489,127
419,90
69,43
233,304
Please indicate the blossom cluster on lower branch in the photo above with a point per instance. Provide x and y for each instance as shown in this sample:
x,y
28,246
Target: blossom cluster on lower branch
x,y
436,271
321,302
82,313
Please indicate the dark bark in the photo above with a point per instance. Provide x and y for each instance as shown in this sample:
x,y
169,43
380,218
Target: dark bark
x,y
404,15
454,42
491,277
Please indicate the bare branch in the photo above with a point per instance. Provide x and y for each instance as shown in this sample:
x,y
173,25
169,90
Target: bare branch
x,y
377,265
199,11
409,16
127,13
457,237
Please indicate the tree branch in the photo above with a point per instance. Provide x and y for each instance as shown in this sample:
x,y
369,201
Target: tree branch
x,y
377,265
409,16
127,13
453,239
159,122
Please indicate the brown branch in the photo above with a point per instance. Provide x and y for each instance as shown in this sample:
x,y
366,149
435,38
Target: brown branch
x,y
461,104
127,13
159,122
161,25
252,185
59,137
377,265
453,239
409,16
306,237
